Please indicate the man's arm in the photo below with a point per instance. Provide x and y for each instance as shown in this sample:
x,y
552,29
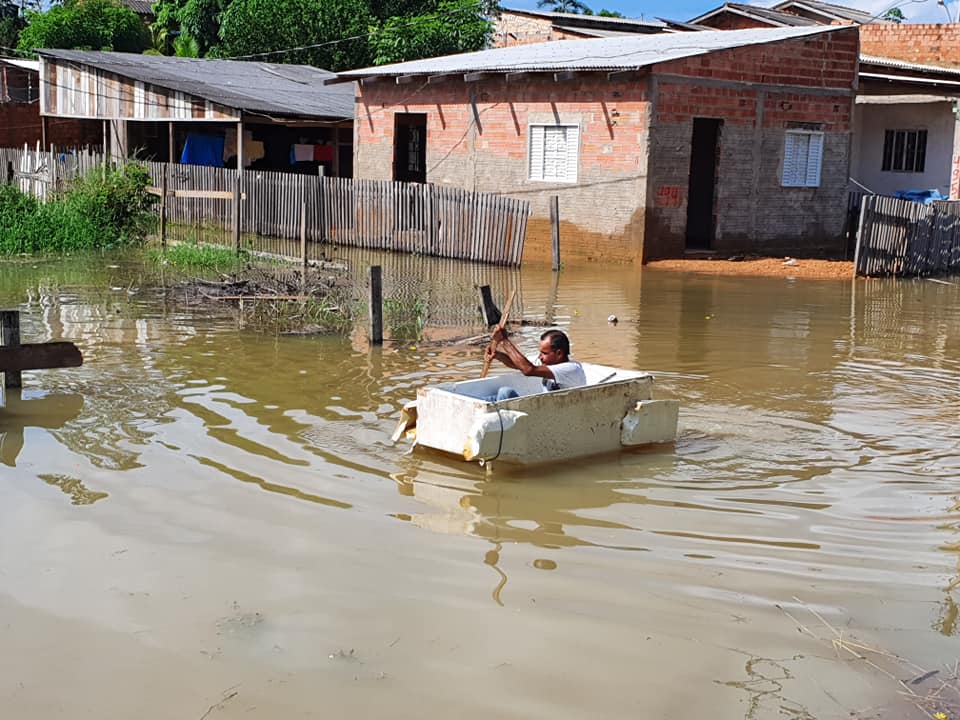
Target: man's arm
x,y
512,357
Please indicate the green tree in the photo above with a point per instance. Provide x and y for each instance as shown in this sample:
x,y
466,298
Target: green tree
x,y
894,15
610,13
85,25
165,27
334,30
201,20
565,6
455,26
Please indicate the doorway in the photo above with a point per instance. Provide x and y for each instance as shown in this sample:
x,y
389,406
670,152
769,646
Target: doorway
x,y
704,157
410,147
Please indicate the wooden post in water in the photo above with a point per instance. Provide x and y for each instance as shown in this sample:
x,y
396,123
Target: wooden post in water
x,y
491,315
303,225
555,230
376,305
163,207
238,190
10,337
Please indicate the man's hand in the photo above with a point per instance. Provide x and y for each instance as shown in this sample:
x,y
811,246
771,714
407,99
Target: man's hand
x,y
499,335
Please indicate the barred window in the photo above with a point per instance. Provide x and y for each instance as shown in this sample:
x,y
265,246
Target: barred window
x,y
904,151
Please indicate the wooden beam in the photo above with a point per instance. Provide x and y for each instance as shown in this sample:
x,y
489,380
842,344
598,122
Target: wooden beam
x,y
40,356
405,79
513,76
619,74
566,75
433,79
474,77
337,80
368,80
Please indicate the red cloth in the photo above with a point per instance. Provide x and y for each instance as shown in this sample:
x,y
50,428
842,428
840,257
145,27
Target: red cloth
x,y
323,153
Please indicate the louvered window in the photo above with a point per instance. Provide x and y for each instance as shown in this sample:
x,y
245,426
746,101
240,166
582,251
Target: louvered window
x,y
553,152
802,158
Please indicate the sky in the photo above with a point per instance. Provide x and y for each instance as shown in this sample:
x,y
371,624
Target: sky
x,y
923,11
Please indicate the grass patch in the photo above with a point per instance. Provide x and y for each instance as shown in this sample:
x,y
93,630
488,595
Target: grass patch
x,y
193,256
102,209
405,319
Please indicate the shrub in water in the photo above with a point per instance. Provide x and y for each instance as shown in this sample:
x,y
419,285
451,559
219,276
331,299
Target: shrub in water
x,y
101,209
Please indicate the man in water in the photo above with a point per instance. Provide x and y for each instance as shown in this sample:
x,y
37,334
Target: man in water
x,y
556,370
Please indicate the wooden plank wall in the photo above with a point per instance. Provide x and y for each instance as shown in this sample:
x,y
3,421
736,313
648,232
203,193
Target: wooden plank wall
x,y
902,237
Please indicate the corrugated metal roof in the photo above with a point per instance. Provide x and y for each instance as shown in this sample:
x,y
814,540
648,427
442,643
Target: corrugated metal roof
x,y
33,65
595,32
605,54
841,11
140,7
904,65
759,13
575,19
255,87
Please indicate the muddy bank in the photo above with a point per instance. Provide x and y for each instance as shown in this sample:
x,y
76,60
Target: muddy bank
x,y
762,267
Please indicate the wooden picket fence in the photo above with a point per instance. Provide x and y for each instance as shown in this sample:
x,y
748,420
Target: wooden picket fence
x,y
41,173
280,211
403,217
903,237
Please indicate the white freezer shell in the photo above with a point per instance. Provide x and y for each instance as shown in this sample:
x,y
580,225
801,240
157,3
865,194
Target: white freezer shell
x,y
615,409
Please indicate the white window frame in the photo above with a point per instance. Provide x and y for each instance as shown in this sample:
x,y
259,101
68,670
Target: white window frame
x,y
554,164
802,158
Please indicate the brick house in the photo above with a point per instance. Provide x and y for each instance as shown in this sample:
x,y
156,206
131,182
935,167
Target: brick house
x,y
656,145
792,13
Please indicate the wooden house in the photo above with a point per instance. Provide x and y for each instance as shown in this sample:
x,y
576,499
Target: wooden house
x,y
205,112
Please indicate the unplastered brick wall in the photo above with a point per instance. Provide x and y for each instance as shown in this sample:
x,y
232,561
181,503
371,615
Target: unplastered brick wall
x,y
752,211
733,21
478,138
516,29
20,124
931,44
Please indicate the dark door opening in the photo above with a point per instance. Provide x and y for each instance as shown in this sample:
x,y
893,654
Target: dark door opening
x,y
410,147
703,180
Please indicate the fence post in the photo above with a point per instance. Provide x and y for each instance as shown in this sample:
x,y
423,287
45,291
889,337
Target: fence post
x,y
163,207
10,171
10,337
856,253
303,224
555,230
236,212
376,305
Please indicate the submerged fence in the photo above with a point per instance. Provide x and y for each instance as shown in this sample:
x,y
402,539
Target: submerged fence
x,y
297,209
902,237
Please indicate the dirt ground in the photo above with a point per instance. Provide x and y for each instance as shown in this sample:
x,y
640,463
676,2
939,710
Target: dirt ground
x,y
766,267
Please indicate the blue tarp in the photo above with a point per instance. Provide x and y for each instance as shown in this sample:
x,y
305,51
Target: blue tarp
x,y
922,196
203,150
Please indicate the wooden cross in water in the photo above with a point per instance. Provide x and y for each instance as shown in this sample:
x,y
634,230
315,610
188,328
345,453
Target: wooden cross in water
x,y
15,357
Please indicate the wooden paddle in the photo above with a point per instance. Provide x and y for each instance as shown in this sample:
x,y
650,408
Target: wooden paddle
x,y
501,324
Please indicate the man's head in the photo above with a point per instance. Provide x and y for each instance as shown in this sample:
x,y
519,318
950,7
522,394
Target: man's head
x,y
554,347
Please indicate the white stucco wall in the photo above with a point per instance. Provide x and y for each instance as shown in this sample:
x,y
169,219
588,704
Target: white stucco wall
x,y
871,122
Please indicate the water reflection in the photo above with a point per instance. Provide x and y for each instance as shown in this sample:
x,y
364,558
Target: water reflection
x,y
50,411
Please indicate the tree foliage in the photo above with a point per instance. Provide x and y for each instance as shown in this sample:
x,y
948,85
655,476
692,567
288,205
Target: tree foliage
x,y
894,15
333,34
565,6
336,31
455,26
85,25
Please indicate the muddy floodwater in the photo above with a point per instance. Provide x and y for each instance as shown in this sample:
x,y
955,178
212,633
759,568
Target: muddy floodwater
x,y
206,522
